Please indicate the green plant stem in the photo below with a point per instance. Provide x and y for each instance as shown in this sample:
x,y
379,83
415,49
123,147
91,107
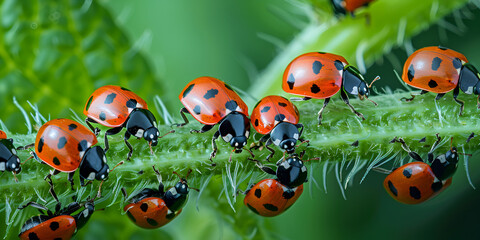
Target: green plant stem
x,y
392,23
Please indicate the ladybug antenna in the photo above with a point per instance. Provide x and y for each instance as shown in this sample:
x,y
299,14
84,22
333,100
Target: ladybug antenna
x,y
51,190
159,176
371,101
196,189
150,145
15,176
118,164
26,160
230,157
248,150
311,159
374,80
99,193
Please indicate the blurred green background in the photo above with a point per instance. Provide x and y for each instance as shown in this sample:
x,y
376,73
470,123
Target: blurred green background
x,y
234,41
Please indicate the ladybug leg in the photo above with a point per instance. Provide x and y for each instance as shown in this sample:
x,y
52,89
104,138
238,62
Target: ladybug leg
x,y
456,91
260,142
412,154
272,152
26,146
430,153
70,179
345,99
88,121
325,103
205,128
111,131
413,96
268,170
439,96
214,145
124,192
125,139
35,205
184,117
51,190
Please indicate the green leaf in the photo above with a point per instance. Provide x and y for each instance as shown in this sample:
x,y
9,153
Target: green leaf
x,y
55,53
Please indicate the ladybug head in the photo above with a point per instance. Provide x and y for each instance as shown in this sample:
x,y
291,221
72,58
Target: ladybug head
x,y
13,164
82,218
285,135
151,135
94,164
291,172
445,165
235,129
363,90
182,187
176,196
238,143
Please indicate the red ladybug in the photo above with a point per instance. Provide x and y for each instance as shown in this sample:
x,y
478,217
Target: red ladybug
x,y
342,7
62,224
277,118
213,102
417,181
271,197
117,108
67,145
9,160
441,70
152,208
321,75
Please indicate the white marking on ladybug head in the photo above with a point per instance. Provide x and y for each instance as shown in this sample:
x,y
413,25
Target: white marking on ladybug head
x,y
244,143
442,158
173,191
139,133
2,166
104,159
14,151
247,133
14,165
277,142
469,90
295,136
103,176
292,144
354,90
285,164
91,176
151,136
85,213
304,169
236,144
227,137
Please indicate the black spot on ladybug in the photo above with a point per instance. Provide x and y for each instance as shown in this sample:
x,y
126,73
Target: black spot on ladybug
x,y
316,67
129,214
256,122
187,90
72,126
436,186
252,208
411,73
392,188
231,105
281,104
457,63
56,161
196,109
89,102
211,93
315,88
415,193
61,142
170,215
102,116
132,103
291,81
228,87
152,222
432,84
338,65
110,97
279,117
442,48
144,207
40,145
33,236
270,207
82,145
407,172
436,63
258,193
265,109
125,89
288,194
54,226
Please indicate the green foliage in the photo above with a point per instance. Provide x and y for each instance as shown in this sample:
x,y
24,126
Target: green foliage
x,y
55,53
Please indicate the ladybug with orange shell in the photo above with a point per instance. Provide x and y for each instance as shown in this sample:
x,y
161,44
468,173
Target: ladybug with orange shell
x,y
117,108
441,70
419,181
342,7
211,102
61,224
321,75
153,208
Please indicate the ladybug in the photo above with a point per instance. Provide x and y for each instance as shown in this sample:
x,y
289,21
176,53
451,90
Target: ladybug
x,y
61,224
9,160
271,197
342,7
66,145
153,208
212,102
321,75
418,181
441,70
277,118
117,108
